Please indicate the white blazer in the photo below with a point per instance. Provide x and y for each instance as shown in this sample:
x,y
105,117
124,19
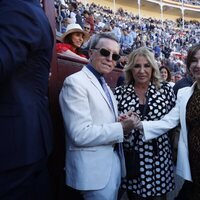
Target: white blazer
x,y
91,130
153,129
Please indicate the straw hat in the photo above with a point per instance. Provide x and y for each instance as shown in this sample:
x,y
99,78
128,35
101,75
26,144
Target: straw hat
x,y
74,28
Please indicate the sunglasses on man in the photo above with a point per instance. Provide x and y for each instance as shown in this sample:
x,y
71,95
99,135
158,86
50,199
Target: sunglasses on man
x,y
106,53
86,28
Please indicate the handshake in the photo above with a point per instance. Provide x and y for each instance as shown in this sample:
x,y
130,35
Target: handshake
x,y
129,121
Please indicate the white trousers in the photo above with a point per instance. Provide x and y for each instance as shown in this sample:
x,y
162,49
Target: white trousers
x,y
110,191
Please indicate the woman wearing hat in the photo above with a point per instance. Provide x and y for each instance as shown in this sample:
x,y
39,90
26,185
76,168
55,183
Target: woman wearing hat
x,y
71,41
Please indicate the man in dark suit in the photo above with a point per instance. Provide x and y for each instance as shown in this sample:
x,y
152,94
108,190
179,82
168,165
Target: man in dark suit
x,y
26,43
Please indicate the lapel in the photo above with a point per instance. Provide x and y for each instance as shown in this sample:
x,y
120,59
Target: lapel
x,y
187,94
113,100
184,95
97,84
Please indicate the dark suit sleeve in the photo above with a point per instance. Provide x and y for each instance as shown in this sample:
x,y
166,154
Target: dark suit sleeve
x,y
26,43
19,33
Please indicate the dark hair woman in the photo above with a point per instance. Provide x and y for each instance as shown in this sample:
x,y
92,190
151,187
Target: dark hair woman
x,y
166,75
71,41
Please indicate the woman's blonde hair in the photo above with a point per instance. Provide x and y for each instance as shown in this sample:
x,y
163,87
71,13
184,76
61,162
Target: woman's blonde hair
x,y
142,51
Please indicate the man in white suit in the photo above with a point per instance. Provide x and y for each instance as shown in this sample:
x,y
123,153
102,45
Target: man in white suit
x,y
94,162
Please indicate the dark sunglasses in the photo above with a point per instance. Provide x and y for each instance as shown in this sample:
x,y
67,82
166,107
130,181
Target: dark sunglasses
x,y
87,28
106,53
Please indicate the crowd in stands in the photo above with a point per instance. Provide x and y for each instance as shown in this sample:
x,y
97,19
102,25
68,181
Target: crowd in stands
x,y
193,2
167,40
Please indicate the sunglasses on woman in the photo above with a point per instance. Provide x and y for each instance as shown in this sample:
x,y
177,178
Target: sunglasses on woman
x,y
106,53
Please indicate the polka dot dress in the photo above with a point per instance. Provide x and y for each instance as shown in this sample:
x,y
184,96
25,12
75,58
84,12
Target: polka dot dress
x,y
155,156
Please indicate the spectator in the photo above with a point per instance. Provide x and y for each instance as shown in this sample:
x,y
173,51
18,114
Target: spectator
x,y
144,94
120,64
157,50
87,28
178,76
85,46
115,29
166,50
65,23
122,61
166,75
73,12
72,40
132,33
173,77
26,43
107,28
126,41
79,19
99,24
94,160
63,4
89,18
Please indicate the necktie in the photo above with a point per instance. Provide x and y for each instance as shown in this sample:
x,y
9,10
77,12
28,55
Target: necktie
x,y
105,88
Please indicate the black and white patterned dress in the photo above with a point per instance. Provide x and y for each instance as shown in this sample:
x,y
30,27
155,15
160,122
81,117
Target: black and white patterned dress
x,y
156,166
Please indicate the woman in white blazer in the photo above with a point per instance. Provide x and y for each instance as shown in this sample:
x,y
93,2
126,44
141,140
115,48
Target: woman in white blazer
x,y
187,113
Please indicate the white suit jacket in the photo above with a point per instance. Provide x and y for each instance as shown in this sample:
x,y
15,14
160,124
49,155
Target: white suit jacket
x,y
153,129
91,130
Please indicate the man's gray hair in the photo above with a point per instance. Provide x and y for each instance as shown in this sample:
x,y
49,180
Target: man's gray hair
x,y
95,39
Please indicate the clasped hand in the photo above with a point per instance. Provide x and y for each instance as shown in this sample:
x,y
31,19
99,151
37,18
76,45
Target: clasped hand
x,y
130,120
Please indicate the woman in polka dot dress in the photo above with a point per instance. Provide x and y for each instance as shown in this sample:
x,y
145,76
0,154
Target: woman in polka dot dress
x,y
143,87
